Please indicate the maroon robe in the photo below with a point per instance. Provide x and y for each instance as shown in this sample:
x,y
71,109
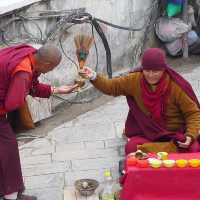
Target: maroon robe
x,y
10,173
13,91
146,129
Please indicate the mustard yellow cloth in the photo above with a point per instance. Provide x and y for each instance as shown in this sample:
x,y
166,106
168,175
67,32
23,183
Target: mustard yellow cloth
x,y
156,147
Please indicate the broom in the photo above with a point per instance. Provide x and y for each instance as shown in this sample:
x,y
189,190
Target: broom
x,y
83,44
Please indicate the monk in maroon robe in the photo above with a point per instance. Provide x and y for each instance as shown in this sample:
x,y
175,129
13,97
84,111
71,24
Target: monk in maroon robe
x,y
20,67
162,104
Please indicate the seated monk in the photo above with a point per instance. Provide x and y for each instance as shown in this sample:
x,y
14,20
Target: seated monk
x,y
162,104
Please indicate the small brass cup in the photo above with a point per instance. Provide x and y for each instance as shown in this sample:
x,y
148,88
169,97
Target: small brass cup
x,y
80,82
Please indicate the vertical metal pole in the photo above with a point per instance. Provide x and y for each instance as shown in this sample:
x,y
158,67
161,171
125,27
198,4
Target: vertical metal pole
x,y
185,19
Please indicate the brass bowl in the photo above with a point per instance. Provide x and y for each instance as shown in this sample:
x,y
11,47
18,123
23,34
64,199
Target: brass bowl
x,y
140,155
80,82
86,187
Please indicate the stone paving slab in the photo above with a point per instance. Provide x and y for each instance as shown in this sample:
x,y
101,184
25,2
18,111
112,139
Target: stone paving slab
x,y
81,148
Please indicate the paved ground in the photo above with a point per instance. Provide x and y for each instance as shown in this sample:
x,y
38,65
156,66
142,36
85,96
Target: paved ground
x,y
81,148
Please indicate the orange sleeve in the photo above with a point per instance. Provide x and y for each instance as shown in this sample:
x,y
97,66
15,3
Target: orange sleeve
x,y
24,65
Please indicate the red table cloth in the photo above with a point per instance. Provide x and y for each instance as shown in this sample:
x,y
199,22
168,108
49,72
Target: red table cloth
x,y
162,183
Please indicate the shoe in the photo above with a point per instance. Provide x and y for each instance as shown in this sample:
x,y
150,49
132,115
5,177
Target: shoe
x,y
26,197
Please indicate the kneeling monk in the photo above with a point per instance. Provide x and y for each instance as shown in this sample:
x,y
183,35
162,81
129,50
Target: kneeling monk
x,y
20,67
162,104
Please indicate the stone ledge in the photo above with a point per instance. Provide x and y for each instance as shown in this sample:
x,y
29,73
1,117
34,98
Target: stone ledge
x,y
8,6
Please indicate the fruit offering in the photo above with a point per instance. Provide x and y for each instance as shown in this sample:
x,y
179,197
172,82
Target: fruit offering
x,y
168,163
142,163
155,163
181,163
131,161
162,155
194,162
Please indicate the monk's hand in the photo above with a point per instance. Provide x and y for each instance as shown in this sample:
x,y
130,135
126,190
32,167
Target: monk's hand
x,y
185,144
65,89
87,73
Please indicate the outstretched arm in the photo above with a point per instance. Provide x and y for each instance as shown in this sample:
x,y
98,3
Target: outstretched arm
x,y
123,85
45,91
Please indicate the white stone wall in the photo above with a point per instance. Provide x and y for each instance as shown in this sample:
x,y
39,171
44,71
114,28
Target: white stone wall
x,y
8,6
125,45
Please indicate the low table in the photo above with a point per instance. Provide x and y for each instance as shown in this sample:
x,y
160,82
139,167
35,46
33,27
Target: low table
x,y
162,183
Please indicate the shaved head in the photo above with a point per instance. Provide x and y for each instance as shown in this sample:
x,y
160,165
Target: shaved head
x,y
47,57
